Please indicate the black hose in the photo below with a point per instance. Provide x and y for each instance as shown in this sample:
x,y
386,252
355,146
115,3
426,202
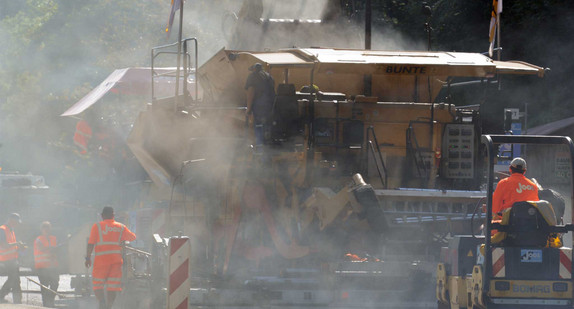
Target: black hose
x,y
472,217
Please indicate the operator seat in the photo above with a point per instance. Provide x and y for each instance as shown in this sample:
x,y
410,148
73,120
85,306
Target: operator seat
x,y
286,120
529,224
557,201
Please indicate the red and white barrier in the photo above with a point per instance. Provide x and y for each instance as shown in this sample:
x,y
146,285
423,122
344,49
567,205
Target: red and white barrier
x,y
178,284
565,270
498,267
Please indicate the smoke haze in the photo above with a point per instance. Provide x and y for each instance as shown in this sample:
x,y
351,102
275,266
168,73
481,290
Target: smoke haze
x,y
54,52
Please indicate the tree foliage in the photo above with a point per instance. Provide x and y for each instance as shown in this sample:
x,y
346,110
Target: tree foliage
x,y
54,52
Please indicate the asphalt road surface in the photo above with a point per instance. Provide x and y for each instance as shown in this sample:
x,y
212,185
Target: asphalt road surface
x,y
133,298
31,295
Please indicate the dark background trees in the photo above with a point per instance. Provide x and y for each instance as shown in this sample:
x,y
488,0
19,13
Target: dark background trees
x,y
538,32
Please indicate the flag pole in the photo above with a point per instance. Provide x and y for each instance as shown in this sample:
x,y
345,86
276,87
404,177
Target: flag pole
x,y
498,31
179,36
498,13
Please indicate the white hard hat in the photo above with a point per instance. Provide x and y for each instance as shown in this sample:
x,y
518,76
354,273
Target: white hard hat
x,y
518,163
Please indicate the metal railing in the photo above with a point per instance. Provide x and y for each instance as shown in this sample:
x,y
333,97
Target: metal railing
x,y
187,69
383,178
415,151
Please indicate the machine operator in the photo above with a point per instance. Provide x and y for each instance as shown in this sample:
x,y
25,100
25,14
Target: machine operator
x,y
515,188
260,88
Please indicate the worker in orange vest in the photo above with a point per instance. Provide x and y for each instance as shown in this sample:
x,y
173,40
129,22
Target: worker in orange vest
x,y
47,264
516,188
107,237
82,136
9,248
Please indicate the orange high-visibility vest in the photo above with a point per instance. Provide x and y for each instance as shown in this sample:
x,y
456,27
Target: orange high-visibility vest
x,y
516,188
42,257
82,135
11,251
107,248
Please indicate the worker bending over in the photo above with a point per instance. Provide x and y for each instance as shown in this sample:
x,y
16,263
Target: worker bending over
x,y
107,237
515,188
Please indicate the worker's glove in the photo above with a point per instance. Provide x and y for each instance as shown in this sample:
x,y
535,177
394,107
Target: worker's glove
x,y
88,262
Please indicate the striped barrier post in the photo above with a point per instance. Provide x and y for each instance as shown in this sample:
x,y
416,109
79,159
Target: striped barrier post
x,y
565,270
498,265
178,283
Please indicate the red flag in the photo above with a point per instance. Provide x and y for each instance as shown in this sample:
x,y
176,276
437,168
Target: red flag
x,y
175,5
494,20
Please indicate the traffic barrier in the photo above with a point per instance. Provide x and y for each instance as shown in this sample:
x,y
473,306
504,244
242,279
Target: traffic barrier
x,y
178,284
498,267
565,270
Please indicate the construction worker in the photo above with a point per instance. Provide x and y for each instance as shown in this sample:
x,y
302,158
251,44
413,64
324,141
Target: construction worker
x,y
46,264
260,88
107,237
82,136
9,248
515,188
